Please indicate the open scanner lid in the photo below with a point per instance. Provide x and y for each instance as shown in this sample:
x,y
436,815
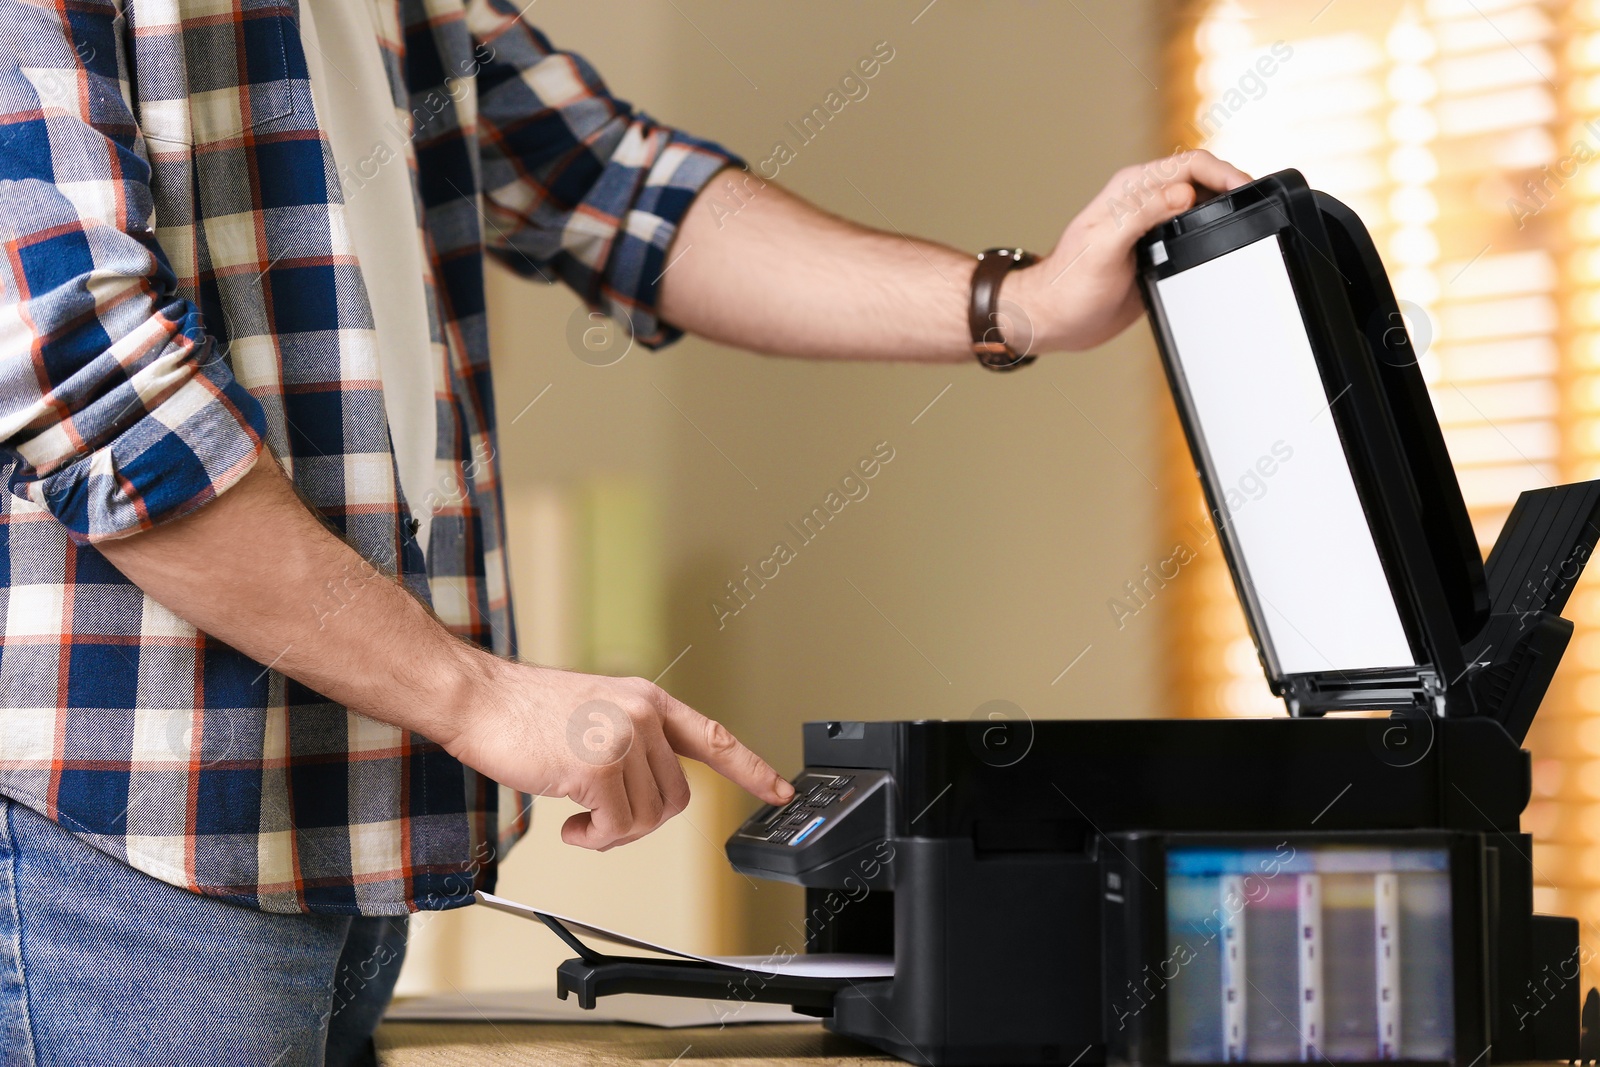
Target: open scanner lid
x,y
1326,476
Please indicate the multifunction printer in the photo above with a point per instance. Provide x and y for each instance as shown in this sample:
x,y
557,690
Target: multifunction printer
x,y
1319,886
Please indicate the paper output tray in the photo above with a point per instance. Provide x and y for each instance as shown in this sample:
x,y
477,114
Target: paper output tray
x,y
594,974
608,975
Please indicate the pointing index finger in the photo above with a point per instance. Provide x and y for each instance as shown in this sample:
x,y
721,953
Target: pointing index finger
x,y
692,734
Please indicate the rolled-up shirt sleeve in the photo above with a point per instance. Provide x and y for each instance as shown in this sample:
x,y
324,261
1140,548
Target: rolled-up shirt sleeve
x,y
578,186
117,408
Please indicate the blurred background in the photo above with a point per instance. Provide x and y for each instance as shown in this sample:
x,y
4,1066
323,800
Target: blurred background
x,y
1001,553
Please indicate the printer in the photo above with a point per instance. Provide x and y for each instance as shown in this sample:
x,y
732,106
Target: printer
x,y
1311,887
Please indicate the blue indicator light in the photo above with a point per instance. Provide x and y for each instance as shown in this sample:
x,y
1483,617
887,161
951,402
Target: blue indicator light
x,y
810,826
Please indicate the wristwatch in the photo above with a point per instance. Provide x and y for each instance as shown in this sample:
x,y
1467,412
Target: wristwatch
x,y
983,313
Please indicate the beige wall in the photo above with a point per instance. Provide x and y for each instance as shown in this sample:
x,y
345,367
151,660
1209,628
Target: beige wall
x,y
988,547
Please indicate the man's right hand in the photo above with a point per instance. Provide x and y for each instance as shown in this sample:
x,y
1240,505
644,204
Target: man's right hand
x,y
610,744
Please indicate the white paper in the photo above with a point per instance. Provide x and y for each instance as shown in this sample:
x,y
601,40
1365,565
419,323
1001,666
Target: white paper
x,y
541,1006
1288,492
851,965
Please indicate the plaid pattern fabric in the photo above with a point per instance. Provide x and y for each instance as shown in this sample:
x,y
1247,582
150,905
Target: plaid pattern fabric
x,y
178,292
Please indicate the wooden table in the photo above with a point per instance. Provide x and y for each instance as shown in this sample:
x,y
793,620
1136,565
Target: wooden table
x,y
421,1044
428,1044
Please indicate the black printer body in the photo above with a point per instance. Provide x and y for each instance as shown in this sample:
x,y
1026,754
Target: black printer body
x,y
1311,888
1025,876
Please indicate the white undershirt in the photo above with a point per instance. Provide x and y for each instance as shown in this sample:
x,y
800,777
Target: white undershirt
x,y
355,105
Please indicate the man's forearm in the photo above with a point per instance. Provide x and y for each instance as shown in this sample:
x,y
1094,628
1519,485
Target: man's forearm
x,y
257,570
781,276
758,268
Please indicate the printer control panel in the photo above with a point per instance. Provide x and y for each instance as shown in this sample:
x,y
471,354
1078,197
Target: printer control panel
x,y
834,811
820,797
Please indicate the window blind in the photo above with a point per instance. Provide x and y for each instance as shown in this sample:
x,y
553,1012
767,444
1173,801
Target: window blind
x,y
1466,133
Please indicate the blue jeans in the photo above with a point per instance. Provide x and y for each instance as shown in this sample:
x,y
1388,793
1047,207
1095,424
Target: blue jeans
x,y
102,964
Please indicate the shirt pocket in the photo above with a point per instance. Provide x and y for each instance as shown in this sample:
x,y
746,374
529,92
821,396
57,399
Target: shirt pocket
x,y
206,71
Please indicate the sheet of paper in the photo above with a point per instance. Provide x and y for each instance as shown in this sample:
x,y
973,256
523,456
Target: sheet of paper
x,y
541,1006
813,965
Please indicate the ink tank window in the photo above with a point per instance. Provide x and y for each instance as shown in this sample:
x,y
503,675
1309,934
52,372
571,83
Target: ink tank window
x,y
1304,954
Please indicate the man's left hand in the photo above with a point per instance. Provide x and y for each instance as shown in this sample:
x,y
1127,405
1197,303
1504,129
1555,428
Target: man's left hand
x,y
1083,293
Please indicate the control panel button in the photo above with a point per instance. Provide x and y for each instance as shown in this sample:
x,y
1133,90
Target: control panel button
x,y
784,812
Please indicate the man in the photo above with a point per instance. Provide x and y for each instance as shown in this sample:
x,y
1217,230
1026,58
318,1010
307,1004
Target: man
x,y
257,681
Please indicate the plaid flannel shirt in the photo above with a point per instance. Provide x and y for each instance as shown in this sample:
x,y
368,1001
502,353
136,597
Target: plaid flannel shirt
x,y
180,293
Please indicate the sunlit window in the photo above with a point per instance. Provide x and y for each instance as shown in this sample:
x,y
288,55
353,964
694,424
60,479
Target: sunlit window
x,y
1460,131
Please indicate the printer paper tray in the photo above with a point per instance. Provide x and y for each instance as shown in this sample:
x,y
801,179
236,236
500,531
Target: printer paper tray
x,y
601,976
831,965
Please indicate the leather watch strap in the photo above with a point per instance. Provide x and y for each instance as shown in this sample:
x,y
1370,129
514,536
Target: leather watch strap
x,y
983,312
